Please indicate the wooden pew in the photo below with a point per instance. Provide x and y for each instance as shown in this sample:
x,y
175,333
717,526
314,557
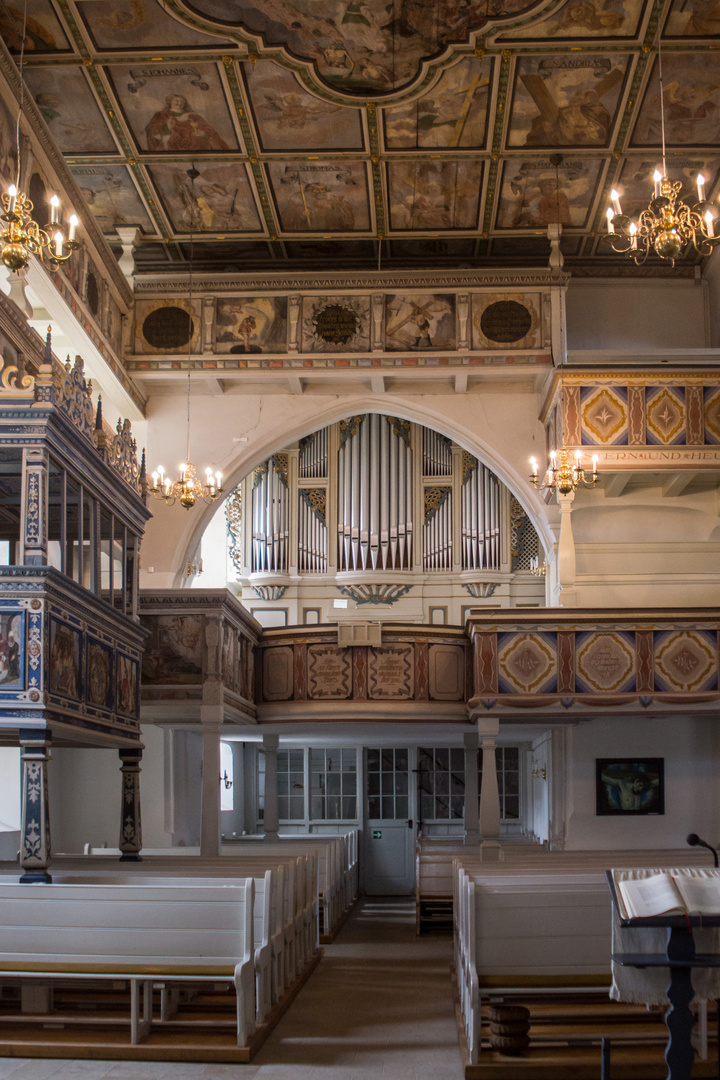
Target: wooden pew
x,y
140,934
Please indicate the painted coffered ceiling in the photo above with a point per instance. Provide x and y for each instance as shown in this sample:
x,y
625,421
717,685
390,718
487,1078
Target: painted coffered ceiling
x,y
284,134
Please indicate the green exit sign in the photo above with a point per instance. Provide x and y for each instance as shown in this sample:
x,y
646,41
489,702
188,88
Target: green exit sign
x,y
377,834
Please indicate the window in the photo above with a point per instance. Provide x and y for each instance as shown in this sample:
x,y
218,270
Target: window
x,y
507,760
291,785
441,773
333,784
387,784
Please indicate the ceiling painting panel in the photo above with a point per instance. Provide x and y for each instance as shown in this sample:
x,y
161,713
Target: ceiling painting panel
x,y
112,197
70,110
536,193
419,321
584,19
694,19
324,197
566,100
692,109
361,46
43,34
218,200
131,25
453,114
290,119
175,108
434,195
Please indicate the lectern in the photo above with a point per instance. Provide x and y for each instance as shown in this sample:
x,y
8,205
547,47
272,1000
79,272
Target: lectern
x,y
680,957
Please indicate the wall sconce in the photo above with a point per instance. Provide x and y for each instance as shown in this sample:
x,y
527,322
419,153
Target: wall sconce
x,y
225,779
539,771
535,569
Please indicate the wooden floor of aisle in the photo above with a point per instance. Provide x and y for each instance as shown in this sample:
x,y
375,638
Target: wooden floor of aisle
x,y
379,1006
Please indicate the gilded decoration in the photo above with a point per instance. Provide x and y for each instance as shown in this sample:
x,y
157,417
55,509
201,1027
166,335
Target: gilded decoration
x,y
315,498
435,497
122,455
604,415
527,664
233,518
665,415
686,660
605,662
73,397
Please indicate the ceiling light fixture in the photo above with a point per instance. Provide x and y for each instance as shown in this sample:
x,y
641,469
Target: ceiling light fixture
x,y
668,226
564,474
188,488
21,236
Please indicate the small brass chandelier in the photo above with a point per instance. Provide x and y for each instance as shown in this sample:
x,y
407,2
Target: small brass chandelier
x,y
188,488
669,226
21,236
564,473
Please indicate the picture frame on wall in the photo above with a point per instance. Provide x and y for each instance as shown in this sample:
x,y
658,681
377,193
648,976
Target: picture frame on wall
x,y
629,786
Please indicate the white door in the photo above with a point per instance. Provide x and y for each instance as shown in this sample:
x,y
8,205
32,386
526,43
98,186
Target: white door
x,y
389,823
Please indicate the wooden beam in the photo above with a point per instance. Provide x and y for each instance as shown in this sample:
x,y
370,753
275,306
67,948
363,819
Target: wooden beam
x,y
677,482
377,382
295,384
461,382
615,484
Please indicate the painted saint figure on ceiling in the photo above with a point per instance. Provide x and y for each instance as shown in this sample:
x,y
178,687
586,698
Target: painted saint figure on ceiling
x,y
177,128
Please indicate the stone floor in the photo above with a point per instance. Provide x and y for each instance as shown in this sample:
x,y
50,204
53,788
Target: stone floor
x,y
378,1007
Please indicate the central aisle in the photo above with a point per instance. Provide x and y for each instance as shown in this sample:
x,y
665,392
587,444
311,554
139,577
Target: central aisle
x,y
379,1005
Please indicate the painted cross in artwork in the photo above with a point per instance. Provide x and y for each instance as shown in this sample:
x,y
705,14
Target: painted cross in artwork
x,y
325,198
420,321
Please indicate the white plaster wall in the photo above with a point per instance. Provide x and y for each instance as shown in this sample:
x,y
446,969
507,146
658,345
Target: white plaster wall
x,y
10,784
711,276
689,747
640,314
85,793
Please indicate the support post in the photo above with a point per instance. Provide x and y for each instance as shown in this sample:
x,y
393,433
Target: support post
x,y
35,839
210,809
472,819
488,728
271,820
130,822
34,508
566,552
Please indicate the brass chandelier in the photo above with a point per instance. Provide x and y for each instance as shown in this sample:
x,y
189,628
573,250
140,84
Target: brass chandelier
x,y
188,488
669,226
564,474
20,235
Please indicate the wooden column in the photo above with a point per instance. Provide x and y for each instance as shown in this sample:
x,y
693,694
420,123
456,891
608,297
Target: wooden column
x,y
33,510
130,822
566,552
35,826
271,821
488,728
210,809
472,820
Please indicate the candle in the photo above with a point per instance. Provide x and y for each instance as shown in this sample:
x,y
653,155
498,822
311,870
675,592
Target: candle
x,y
12,193
73,222
54,210
155,479
553,461
701,187
610,214
633,235
594,463
58,238
615,200
709,224
657,177
533,467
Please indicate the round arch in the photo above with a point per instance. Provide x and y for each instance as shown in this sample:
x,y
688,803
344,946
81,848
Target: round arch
x,y
414,411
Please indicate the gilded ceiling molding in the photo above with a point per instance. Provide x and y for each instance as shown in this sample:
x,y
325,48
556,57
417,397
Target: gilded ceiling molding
x,y
459,279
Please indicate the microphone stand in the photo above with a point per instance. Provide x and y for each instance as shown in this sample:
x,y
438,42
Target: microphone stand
x,y
694,841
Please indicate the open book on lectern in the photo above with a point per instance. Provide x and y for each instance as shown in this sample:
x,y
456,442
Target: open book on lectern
x,y
668,893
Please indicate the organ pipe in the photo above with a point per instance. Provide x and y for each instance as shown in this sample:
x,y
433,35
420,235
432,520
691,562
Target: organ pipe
x,y
480,518
374,495
437,453
270,517
437,529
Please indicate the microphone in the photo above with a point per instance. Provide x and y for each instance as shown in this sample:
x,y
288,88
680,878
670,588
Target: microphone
x,y
694,841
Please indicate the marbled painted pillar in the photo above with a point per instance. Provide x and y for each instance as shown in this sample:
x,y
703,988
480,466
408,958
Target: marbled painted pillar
x,y
35,826
130,822
472,820
271,821
488,728
33,521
